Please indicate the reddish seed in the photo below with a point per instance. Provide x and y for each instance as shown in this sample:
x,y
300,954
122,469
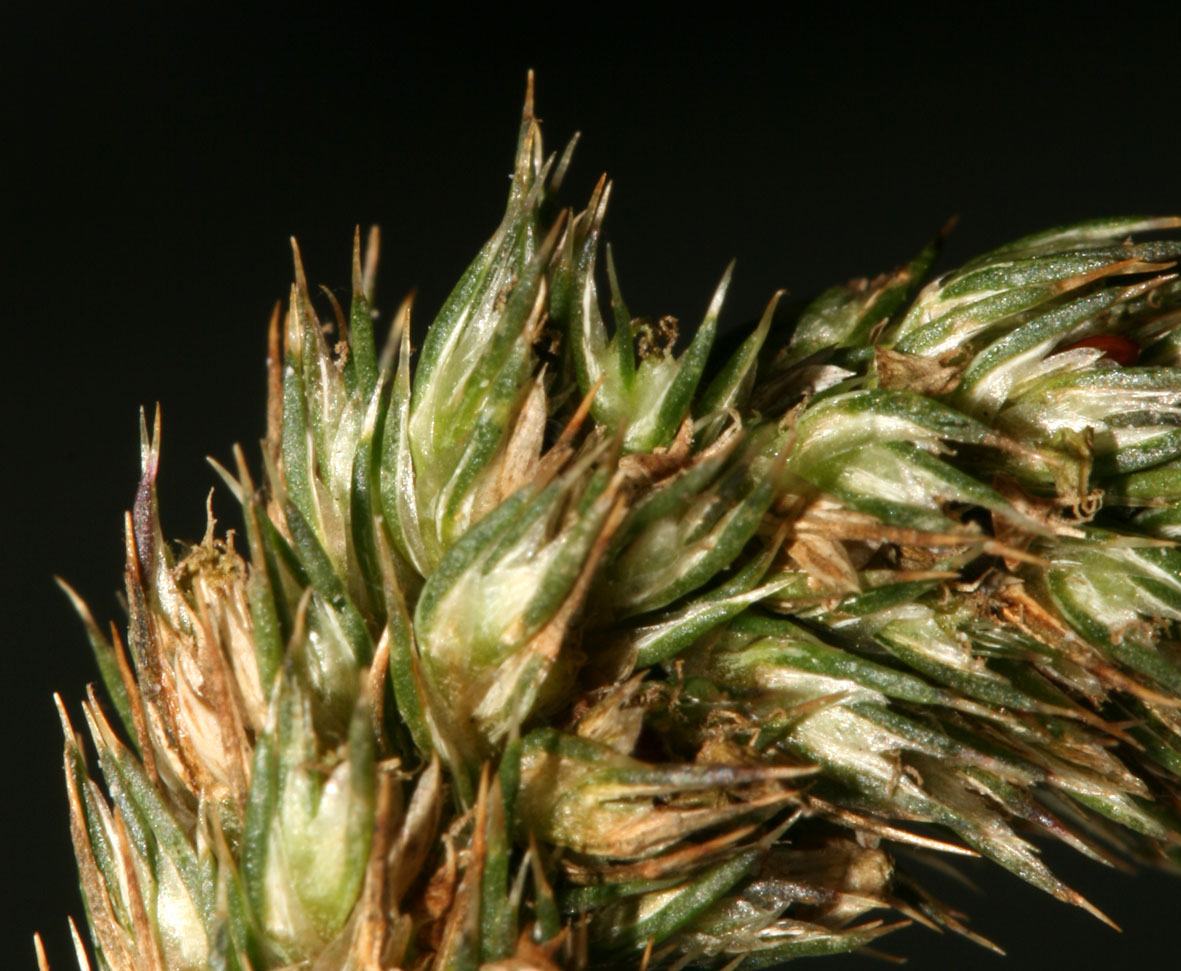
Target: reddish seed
x,y
1120,349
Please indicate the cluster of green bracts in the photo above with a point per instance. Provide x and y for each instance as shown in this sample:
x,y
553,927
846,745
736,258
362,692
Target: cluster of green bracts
x,y
554,645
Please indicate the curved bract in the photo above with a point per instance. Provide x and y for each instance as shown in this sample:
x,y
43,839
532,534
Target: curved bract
x,y
564,644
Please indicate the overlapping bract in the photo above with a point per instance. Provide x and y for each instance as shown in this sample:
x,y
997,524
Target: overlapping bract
x,y
559,649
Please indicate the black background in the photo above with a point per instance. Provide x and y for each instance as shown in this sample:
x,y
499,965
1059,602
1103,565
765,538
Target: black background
x,y
154,167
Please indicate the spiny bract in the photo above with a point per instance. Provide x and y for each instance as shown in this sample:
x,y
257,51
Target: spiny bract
x,y
563,649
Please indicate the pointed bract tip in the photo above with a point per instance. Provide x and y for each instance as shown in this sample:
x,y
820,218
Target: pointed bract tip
x,y
75,599
528,109
231,483
719,295
64,717
372,252
301,280
273,321
243,470
79,947
358,278
1080,901
597,207
559,172
149,442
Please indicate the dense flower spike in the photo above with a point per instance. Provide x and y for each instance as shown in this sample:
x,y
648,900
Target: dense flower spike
x,y
561,644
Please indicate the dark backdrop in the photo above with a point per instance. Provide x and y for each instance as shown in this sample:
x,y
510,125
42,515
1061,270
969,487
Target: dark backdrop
x,y
154,168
